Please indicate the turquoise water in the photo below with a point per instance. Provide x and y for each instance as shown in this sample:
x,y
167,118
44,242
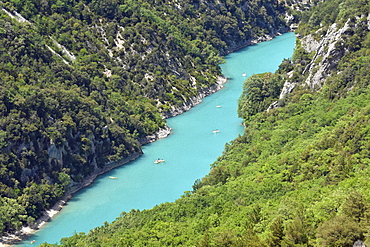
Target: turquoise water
x,y
188,152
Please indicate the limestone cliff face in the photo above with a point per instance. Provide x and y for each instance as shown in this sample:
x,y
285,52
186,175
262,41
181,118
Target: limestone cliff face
x,y
328,50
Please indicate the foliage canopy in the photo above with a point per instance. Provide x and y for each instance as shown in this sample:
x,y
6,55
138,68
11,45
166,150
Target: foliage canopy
x,y
297,177
83,81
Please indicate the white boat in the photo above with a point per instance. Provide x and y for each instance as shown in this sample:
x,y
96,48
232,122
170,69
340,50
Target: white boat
x,y
112,177
218,106
158,161
216,131
244,74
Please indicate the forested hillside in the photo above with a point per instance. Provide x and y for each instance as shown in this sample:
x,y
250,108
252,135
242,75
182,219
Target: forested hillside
x,y
299,176
82,82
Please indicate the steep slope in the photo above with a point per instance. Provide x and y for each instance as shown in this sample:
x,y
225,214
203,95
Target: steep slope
x,y
83,84
329,36
299,174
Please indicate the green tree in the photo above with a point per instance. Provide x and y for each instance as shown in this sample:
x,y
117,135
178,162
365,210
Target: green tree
x,y
339,231
276,232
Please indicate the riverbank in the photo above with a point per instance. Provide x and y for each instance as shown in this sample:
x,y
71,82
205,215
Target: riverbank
x,y
22,234
186,106
253,41
181,164
25,232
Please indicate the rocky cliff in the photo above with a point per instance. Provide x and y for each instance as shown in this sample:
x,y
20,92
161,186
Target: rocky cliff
x,y
327,47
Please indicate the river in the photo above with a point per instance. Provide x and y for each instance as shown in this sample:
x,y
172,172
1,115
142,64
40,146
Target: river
x,y
188,152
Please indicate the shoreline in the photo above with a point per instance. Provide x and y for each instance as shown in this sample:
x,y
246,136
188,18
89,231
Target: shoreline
x,y
10,239
253,41
193,101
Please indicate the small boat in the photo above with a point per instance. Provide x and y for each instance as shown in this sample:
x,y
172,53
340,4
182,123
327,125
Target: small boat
x,y
33,241
218,106
112,177
244,74
216,131
158,161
